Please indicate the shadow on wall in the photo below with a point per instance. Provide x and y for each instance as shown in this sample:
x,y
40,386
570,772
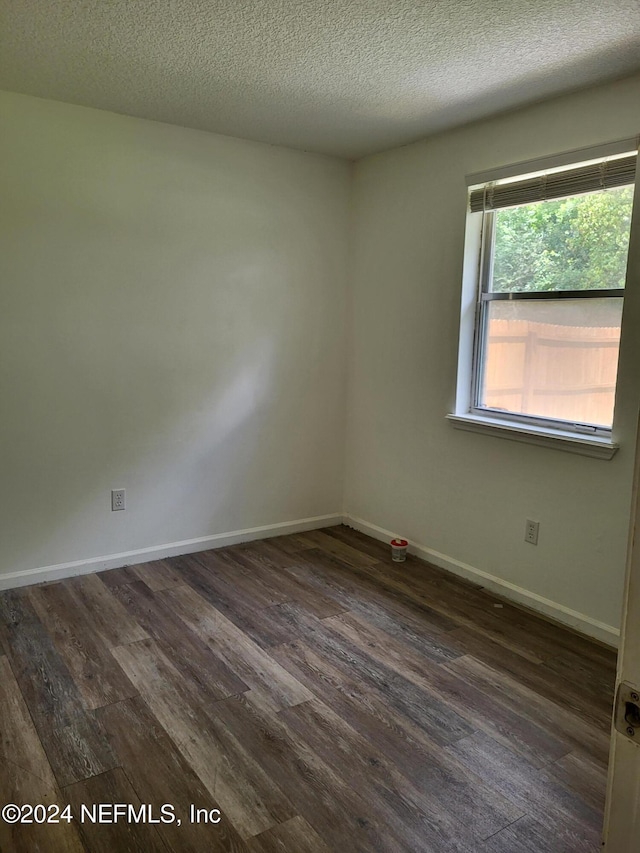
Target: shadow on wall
x,y
179,478
180,430
171,324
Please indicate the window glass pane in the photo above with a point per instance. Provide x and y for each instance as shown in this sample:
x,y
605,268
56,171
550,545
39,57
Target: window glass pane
x,y
552,358
576,243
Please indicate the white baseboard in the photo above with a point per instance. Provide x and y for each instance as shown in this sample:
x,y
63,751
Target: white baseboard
x,y
60,571
558,612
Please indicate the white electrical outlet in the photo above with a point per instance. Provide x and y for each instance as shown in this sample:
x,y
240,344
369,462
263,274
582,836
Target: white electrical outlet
x,y
531,531
117,499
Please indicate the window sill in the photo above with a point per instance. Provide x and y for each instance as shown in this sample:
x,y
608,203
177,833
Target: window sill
x,y
586,445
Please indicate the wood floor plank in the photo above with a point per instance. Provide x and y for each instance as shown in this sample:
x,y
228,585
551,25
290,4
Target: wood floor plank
x,y
265,562
321,696
157,575
232,570
318,793
439,720
21,789
160,620
520,627
114,833
380,551
554,806
560,637
26,777
595,710
350,586
465,605
224,596
414,812
75,744
585,676
292,544
431,645
248,797
345,552
294,836
242,572
407,745
528,836
19,743
109,618
480,710
245,658
578,772
99,680
558,719
163,776
115,577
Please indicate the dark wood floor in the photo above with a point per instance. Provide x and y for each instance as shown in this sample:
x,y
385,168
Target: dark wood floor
x,y
318,695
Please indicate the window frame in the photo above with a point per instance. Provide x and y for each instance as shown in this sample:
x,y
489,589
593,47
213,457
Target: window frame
x,y
484,296
501,425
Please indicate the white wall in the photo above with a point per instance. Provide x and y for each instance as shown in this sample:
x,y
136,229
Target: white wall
x,y
463,495
172,322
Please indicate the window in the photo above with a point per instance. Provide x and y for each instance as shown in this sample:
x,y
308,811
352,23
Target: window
x,y
549,292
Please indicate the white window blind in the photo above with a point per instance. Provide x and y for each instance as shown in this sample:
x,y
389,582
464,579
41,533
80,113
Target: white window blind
x,y
589,178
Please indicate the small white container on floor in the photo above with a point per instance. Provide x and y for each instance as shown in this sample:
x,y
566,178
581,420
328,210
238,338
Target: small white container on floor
x,y
399,550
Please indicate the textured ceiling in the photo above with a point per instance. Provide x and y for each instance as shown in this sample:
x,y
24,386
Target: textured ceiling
x,y
345,77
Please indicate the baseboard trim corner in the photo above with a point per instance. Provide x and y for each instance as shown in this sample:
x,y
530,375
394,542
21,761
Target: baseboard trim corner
x,y
27,577
557,612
